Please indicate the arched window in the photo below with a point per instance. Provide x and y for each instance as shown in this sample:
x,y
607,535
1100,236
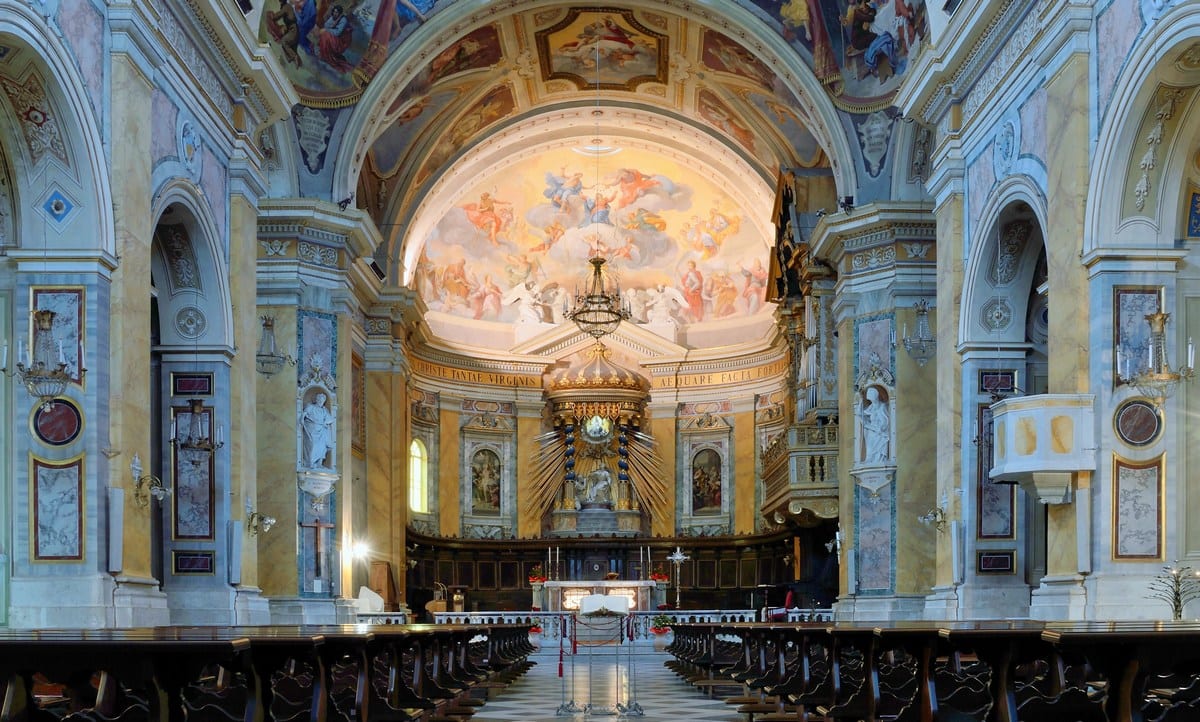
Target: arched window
x,y
418,477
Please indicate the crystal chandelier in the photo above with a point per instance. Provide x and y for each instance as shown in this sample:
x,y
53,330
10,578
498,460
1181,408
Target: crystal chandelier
x,y
1157,381
43,369
268,360
923,345
598,311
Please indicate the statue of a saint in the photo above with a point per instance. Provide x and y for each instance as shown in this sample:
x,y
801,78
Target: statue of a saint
x,y
316,421
877,427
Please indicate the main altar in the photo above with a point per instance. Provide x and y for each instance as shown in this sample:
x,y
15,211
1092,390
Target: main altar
x,y
565,596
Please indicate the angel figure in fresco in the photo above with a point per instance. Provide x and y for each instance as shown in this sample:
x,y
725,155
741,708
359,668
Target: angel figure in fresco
x,y
698,237
489,215
534,302
661,303
721,226
553,232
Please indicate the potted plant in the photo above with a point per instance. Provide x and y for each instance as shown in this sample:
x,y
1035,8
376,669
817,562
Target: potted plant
x,y
658,575
660,624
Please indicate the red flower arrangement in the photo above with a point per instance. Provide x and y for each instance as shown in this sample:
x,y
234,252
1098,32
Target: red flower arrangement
x,y
536,575
658,575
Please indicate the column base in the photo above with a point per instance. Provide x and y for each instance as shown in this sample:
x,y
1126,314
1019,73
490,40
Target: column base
x,y
1059,597
138,602
251,607
859,608
303,610
943,605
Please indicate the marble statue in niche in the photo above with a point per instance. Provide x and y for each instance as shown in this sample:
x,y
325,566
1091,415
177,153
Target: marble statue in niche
x,y
316,423
876,419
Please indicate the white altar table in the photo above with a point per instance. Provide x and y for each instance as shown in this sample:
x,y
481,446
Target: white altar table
x,y
564,596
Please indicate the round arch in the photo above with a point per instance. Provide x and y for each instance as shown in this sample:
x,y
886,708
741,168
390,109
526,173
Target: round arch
x,y
980,286
193,268
1149,65
443,27
88,174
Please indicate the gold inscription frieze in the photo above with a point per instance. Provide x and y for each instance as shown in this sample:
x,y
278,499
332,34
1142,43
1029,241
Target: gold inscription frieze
x,y
722,378
472,376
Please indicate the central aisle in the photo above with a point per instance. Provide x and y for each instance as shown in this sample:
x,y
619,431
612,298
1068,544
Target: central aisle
x,y
663,697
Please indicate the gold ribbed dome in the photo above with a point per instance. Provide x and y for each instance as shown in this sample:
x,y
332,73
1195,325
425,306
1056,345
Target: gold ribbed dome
x,y
597,373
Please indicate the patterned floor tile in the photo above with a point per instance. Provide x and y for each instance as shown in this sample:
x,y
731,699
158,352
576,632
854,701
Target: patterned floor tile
x,y
604,684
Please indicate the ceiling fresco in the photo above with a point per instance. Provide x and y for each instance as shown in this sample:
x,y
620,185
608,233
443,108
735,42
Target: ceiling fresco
x,y
512,248
519,80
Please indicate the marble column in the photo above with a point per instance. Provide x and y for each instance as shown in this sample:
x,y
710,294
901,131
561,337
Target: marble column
x,y
243,395
449,506
1068,347
745,506
275,414
529,425
948,374
660,424
129,333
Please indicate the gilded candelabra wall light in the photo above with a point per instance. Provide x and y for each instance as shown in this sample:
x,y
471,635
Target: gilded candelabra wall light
x,y
1157,381
146,486
256,522
935,516
1176,586
42,369
197,436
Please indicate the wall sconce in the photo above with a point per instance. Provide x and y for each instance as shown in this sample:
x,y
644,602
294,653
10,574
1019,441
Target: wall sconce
x,y
935,516
196,437
1157,381
42,370
923,345
256,522
146,486
268,360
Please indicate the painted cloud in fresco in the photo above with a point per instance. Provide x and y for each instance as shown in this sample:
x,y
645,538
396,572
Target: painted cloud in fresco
x,y
533,227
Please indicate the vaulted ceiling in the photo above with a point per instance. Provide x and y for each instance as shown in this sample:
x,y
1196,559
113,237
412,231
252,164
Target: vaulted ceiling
x,y
507,144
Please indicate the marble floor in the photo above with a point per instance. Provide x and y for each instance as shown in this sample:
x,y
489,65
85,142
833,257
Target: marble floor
x,y
604,683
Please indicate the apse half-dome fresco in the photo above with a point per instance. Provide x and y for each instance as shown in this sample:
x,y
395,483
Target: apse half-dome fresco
x,y
514,248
